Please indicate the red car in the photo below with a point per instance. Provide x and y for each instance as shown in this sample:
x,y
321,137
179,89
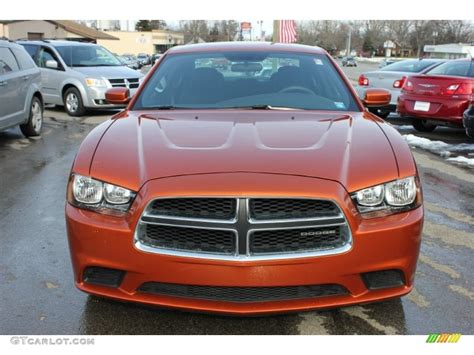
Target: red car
x,y
440,97
221,190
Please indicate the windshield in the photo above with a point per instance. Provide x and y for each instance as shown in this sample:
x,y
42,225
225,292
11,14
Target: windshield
x,y
246,79
410,66
455,68
87,56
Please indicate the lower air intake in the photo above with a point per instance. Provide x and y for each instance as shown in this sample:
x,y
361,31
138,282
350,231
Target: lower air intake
x,y
242,294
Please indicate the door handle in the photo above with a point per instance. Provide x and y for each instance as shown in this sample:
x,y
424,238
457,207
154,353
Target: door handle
x,y
3,83
26,77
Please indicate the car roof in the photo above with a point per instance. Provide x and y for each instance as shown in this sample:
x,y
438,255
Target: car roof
x,y
7,43
246,46
57,43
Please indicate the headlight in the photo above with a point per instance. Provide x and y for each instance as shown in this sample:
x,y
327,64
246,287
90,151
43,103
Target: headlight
x,y
98,83
394,196
91,194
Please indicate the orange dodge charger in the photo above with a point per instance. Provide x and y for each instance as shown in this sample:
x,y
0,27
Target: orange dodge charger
x,y
245,178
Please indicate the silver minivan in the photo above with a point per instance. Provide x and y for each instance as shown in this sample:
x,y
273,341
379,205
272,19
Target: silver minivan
x,y
21,101
76,75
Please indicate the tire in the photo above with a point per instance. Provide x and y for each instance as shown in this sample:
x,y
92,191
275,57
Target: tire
x,y
423,126
32,128
73,103
378,112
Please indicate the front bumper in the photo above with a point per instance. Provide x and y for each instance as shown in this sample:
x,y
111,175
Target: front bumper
x,y
378,244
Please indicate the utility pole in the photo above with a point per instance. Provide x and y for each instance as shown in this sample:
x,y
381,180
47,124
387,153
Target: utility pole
x,y
349,38
276,31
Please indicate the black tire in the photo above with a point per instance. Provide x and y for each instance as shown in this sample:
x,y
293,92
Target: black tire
x,y
32,128
378,112
423,126
75,106
470,132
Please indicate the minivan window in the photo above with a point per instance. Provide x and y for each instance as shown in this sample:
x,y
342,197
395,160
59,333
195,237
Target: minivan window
x,y
8,62
31,49
224,80
87,56
455,68
44,55
23,59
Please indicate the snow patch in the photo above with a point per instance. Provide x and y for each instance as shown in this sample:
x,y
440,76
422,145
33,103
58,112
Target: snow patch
x,y
443,149
462,160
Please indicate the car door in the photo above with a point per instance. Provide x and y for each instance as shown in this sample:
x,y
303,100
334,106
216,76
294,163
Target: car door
x,y
11,105
51,78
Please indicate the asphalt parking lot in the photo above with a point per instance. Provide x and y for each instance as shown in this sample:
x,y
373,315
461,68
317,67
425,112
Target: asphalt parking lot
x,y
36,282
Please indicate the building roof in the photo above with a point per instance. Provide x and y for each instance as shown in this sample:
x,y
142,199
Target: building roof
x,y
73,27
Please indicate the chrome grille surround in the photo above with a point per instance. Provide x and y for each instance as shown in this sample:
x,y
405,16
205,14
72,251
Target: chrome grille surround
x,y
243,226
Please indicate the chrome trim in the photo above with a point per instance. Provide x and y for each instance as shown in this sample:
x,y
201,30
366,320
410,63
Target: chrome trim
x,y
245,223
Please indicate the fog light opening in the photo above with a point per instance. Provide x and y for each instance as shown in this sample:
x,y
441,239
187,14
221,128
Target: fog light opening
x,y
103,276
377,280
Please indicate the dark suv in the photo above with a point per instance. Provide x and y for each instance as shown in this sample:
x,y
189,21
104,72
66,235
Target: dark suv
x,y
21,101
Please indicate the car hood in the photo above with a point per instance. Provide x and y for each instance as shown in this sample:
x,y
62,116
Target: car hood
x,y
349,148
118,72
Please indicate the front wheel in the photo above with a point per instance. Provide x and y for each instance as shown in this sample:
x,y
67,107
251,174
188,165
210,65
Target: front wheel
x,y
423,125
33,127
73,103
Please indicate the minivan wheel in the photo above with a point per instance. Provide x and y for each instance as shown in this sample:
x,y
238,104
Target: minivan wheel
x,y
423,126
73,102
35,119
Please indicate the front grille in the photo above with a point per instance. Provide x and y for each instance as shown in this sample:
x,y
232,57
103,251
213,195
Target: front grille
x,y
297,240
242,294
242,228
195,239
283,208
131,83
208,208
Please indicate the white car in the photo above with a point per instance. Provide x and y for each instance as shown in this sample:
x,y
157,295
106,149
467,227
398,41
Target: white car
x,y
391,78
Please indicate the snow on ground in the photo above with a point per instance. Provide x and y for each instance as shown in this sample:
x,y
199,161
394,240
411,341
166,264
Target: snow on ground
x,y
445,150
462,160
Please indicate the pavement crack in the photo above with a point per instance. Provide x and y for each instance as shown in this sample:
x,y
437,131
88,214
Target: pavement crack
x,y
440,267
360,312
462,291
458,216
418,299
449,235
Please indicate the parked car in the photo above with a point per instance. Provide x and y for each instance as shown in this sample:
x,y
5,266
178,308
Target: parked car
x,y
129,62
21,101
392,78
386,62
468,121
349,62
77,75
155,57
440,97
144,59
245,196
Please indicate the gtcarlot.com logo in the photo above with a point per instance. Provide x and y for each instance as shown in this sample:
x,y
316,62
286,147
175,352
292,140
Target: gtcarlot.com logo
x,y
31,340
443,338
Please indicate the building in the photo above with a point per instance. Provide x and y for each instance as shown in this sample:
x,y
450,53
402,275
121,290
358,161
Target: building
x,y
156,41
449,51
46,29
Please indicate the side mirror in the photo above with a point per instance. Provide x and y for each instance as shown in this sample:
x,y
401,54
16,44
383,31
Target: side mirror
x,y
117,96
51,64
377,98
